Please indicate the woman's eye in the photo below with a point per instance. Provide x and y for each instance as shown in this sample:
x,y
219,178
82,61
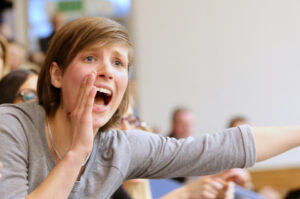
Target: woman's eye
x,y
90,59
118,63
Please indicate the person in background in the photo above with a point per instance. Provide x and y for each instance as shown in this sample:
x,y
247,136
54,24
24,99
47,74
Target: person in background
x,y
237,121
135,188
18,86
5,31
58,21
238,176
37,59
3,57
17,56
182,126
183,123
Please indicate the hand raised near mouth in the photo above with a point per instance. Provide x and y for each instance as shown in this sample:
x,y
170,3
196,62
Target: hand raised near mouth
x,y
81,117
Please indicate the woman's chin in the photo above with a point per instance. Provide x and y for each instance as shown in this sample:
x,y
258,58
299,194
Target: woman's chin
x,y
98,123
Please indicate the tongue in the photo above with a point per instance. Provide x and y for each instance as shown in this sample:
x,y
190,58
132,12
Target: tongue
x,y
99,101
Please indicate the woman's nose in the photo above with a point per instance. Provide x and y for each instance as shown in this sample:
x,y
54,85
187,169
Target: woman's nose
x,y
105,71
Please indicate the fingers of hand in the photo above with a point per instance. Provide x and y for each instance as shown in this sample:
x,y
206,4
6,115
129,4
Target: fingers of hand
x,y
235,173
208,195
212,186
81,93
217,183
90,94
239,176
85,96
229,191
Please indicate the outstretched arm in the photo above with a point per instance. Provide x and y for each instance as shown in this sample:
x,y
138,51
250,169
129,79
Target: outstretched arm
x,y
271,141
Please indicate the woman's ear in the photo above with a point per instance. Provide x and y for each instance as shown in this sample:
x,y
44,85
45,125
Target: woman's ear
x,y
56,75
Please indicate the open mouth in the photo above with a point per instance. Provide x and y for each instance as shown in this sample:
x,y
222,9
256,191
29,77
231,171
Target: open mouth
x,y
103,96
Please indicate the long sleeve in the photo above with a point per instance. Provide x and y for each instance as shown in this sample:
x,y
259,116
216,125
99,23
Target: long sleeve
x,y
13,155
154,156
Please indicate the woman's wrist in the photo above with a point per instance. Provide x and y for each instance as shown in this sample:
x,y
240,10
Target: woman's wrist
x,y
76,156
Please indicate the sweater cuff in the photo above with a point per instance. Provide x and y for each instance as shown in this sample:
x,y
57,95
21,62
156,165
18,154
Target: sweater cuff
x,y
249,145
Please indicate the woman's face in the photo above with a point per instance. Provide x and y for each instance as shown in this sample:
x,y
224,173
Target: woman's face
x,y
110,63
27,91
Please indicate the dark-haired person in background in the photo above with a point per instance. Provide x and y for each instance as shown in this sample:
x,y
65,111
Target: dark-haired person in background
x,y
18,86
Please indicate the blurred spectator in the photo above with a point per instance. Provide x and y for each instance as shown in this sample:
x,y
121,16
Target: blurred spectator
x,y
237,121
18,86
3,57
136,188
183,123
37,58
17,56
6,31
58,20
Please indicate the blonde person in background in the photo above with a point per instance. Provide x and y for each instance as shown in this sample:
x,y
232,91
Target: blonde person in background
x,y
4,56
136,188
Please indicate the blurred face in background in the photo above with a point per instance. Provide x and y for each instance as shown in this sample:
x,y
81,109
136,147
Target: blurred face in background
x,y
183,124
27,91
58,21
17,56
129,121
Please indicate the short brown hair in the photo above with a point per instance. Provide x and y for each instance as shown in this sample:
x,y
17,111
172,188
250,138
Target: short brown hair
x,y
236,119
71,39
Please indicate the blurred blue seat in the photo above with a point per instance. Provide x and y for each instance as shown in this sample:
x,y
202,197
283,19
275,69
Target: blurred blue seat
x,y
160,187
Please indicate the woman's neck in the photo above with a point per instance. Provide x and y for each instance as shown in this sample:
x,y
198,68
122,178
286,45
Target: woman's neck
x,y
61,130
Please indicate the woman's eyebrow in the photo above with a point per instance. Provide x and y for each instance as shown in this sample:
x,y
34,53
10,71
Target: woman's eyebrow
x,y
122,55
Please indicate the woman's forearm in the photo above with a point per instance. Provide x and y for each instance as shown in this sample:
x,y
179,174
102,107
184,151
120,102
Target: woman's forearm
x,y
58,184
271,141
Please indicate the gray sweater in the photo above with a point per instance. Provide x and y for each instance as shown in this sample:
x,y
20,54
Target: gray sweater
x,y
116,155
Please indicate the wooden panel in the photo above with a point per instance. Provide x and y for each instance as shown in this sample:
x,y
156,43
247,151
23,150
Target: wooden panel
x,y
281,179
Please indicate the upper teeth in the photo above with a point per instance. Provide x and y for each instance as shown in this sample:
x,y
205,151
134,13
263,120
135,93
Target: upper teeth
x,y
104,90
